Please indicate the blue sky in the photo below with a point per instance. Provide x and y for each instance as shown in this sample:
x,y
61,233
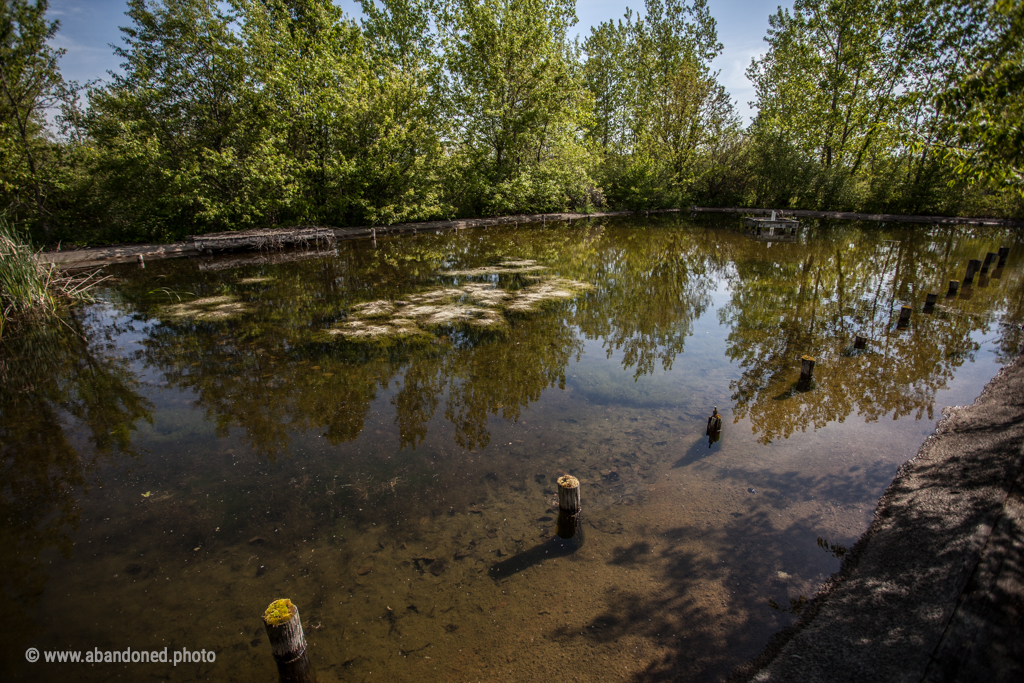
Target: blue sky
x,y
89,27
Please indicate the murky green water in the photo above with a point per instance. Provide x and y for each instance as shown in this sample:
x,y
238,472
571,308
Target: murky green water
x,y
223,432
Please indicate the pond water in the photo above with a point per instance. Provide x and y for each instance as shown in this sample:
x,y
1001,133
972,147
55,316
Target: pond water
x,y
375,431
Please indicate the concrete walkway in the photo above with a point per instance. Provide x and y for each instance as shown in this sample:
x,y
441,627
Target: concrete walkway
x,y
934,590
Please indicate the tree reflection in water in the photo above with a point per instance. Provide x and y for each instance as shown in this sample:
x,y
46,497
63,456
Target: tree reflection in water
x,y
813,297
271,372
68,405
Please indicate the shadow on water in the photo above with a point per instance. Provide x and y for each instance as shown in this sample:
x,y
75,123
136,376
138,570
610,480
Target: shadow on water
x,y
703,447
551,549
702,635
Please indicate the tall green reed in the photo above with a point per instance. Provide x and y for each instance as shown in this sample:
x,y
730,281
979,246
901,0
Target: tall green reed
x,y
30,289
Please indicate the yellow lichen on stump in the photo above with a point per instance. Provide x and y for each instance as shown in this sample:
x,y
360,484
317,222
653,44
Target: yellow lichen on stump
x,y
568,481
279,612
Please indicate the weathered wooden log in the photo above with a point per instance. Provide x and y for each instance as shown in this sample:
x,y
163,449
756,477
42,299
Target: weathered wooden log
x,y
1004,253
972,267
262,239
904,319
569,493
954,285
568,524
287,642
806,372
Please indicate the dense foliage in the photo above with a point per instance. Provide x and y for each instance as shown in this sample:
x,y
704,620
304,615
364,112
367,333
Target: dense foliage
x,y
249,113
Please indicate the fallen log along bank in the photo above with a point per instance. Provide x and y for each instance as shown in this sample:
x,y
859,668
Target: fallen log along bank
x,y
276,238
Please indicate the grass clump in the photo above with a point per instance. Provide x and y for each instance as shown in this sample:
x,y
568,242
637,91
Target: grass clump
x,y
28,289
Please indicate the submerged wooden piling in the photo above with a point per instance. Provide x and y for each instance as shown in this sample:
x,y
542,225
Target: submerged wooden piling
x,y
904,320
806,372
141,261
1004,252
929,302
990,258
568,506
972,267
954,285
859,342
287,642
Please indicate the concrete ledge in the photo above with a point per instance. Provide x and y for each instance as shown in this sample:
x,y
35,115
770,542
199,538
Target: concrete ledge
x,y
933,590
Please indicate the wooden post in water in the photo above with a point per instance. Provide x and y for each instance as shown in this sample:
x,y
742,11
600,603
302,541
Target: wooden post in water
x,y
806,372
972,267
287,643
1004,252
904,320
568,506
141,261
929,302
859,342
544,221
954,285
990,258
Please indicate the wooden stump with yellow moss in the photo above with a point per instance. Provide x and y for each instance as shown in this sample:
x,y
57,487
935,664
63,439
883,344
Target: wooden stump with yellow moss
x,y
568,506
288,644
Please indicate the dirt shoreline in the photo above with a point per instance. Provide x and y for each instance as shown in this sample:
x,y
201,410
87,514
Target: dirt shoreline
x,y
934,589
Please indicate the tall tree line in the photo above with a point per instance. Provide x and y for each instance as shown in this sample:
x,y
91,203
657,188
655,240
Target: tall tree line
x,y
249,113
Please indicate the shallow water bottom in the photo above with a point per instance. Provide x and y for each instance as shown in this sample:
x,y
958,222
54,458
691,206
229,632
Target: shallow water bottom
x,y
683,546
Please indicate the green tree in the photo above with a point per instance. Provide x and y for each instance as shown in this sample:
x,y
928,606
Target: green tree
x,y
659,107
517,104
31,164
833,80
985,113
168,128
